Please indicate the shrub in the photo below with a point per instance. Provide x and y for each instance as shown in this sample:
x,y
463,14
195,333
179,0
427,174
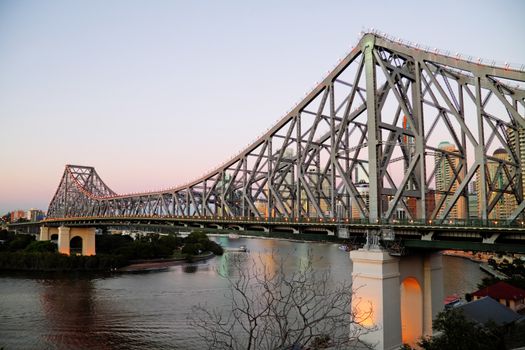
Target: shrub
x,y
41,246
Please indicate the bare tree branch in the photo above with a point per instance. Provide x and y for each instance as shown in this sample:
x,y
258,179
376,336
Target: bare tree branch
x,y
274,310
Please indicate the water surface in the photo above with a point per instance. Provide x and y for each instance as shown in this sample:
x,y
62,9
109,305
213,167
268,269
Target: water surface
x,y
151,310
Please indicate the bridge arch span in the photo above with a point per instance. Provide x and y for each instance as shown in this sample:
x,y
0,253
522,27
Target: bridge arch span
x,y
359,145
75,245
411,311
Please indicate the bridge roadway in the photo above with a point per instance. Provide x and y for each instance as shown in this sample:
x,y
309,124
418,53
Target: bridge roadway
x,y
458,235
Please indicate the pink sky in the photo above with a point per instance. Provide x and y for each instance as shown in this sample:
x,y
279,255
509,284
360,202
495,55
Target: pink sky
x,y
155,94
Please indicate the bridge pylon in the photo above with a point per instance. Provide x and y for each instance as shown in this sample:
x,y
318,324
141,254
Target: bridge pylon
x,y
402,294
71,240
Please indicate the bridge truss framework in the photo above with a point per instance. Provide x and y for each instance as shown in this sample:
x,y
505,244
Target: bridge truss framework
x,y
363,144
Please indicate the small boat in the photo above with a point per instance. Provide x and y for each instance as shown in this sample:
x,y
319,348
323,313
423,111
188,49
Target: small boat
x,y
240,249
149,269
452,301
233,236
344,247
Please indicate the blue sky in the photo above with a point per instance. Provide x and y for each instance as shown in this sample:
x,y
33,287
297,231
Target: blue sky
x,y
155,93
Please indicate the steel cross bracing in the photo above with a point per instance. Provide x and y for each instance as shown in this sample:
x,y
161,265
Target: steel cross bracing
x,y
365,143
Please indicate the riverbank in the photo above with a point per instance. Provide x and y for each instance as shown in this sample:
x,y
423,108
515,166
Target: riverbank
x,y
481,258
493,272
476,257
54,262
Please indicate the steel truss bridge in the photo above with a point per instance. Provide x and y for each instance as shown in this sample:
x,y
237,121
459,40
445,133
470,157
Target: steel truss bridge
x,y
365,147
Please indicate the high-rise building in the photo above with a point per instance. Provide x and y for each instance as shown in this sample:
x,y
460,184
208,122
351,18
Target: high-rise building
x,y
446,182
322,192
497,178
363,190
17,214
519,148
473,200
35,214
430,204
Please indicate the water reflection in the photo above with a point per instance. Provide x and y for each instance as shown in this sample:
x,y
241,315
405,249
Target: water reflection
x,y
143,311
190,268
68,303
75,317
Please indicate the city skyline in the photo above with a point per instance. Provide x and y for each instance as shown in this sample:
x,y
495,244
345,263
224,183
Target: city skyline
x,y
128,87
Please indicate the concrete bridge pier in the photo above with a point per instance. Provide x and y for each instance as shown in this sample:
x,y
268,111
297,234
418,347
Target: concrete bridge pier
x,y
47,233
402,295
76,240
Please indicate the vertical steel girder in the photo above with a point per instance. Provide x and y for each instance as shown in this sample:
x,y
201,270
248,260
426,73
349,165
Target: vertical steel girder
x,y
366,143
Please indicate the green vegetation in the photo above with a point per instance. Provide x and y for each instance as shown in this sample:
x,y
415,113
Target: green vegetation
x,y
455,331
149,246
41,247
22,252
46,261
14,242
197,243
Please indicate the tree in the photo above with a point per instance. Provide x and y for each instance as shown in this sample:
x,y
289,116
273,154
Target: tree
x,y
199,241
274,310
456,332
41,247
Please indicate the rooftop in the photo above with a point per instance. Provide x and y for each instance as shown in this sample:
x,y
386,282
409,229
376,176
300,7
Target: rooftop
x,y
486,309
501,290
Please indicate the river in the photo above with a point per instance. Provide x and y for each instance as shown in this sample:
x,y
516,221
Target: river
x,y
151,310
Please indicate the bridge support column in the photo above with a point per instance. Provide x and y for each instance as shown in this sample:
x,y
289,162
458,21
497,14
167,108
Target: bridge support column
x,y
433,290
375,277
85,235
44,234
63,240
405,295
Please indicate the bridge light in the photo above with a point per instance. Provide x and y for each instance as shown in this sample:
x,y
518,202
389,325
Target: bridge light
x,y
495,222
430,221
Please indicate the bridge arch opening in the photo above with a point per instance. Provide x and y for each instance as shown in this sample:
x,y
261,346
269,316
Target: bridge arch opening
x,y
411,311
75,246
54,237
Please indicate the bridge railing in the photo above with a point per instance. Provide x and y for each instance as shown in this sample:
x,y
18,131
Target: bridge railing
x,y
472,222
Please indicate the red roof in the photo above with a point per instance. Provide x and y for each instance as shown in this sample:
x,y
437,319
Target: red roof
x,y
501,290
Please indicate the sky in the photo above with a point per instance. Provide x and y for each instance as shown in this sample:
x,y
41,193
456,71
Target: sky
x,y
156,93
